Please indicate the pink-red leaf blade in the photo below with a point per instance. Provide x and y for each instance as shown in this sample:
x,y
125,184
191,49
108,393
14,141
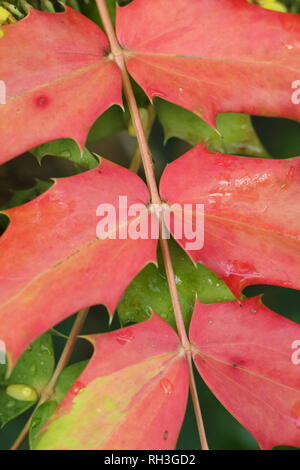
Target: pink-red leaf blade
x,y
132,395
52,263
213,56
244,353
251,215
58,80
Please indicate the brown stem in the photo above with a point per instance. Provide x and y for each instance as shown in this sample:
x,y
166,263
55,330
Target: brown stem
x,y
118,55
136,159
109,28
196,404
50,387
67,352
138,126
174,293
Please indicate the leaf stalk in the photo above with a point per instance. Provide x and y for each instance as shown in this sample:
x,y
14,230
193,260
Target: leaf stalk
x,y
118,55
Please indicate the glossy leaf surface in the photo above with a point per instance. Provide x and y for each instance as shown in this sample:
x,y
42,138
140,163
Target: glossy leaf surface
x,y
213,56
146,364
245,355
58,83
149,290
33,370
236,134
251,215
61,265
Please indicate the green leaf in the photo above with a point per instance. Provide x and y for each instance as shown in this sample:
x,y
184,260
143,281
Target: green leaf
x,y
33,370
149,290
40,416
64,382
66,148
67,378
25,195
237,135
114,120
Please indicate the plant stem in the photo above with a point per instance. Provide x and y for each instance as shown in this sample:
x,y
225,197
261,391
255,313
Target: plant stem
x,y
136,159
67,352
141,137
118,55
50,387
196,404
174,293
109,28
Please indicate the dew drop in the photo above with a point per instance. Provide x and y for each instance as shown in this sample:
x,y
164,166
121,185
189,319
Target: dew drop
x,y
125,337
45,349
32,369
76,388
65,153
295,414
153,286
167,386
288,179
264,209
210,322
10,404
36,422
166,435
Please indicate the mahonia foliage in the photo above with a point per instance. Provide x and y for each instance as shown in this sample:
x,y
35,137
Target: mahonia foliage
x,y
201,80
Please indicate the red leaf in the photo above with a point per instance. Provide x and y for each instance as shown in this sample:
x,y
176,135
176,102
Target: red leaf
x,y
52,264
244,354
58,80
213,56
252,224
137,372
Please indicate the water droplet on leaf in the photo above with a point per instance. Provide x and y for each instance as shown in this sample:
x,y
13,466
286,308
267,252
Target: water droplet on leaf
x,y
10,404
65,153
125,337
167,386
36,422
295,414
76,388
